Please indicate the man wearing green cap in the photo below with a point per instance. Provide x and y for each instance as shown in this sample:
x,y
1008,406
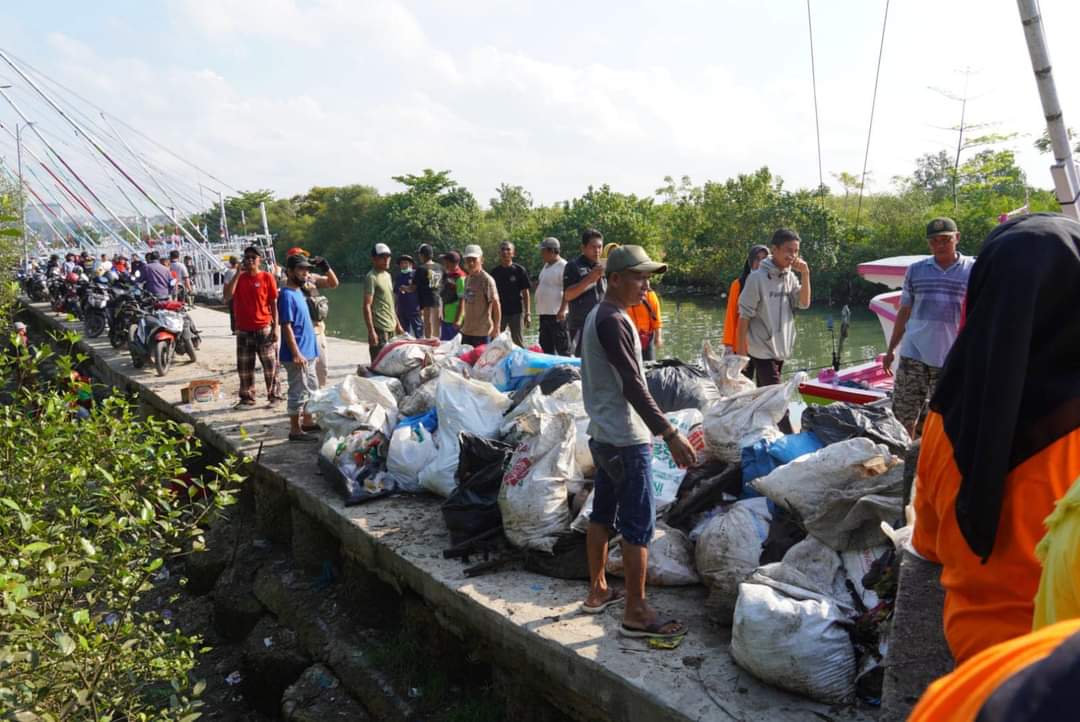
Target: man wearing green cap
x,y
623,419
928,321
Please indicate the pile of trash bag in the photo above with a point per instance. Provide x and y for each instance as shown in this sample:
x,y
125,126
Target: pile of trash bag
x,y
784,531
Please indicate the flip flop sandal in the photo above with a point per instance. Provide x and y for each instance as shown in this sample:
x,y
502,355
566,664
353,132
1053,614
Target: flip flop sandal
x,y
617,597
246,402
652,631
311,427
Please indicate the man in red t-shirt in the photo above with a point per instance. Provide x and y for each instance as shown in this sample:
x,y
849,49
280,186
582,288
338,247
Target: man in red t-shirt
x,y
253,293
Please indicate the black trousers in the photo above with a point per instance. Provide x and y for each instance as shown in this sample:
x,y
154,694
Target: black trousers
x,y
768,371
554,337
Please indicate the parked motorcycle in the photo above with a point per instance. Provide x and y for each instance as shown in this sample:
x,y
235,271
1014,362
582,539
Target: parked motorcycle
x,y
159,335
94,301
125,305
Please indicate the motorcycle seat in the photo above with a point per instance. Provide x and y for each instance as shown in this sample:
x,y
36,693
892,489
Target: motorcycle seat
x,y
169,306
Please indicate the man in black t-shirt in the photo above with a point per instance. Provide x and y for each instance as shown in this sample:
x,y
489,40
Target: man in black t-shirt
x,y
583,285
512,282
428,279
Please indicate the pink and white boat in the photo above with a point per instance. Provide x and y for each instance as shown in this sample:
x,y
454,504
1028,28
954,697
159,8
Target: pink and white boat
x,y
865,382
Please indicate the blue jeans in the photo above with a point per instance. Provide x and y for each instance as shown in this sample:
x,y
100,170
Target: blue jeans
x,y
623,491
413,325
447,331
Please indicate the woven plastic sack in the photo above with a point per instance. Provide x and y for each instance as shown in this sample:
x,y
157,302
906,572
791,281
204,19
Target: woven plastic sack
x,y
670,561
737,421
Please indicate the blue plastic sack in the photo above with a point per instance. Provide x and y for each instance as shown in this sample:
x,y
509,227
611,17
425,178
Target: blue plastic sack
x,y
792,446
429,419
520,365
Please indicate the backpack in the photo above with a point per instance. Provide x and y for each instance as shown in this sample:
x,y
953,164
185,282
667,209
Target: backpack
x,y
318,305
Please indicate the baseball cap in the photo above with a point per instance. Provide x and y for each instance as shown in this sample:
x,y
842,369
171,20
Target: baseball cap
x,y
632,258
19,326
941,225
381,249
425,250
405,257
473,251
296,250
297,260
451,256
550,242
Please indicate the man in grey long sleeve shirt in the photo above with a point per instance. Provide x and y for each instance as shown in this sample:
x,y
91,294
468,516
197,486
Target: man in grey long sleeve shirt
x,y
623,420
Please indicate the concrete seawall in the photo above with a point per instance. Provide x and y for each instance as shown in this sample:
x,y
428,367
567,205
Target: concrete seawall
x,y
525,621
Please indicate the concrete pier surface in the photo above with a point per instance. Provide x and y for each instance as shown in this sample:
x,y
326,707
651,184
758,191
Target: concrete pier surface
x,y
526,620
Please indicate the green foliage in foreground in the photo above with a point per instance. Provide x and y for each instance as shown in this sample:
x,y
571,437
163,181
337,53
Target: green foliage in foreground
x,y
90,510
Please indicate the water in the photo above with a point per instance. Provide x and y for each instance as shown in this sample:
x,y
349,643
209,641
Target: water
x,y
687,322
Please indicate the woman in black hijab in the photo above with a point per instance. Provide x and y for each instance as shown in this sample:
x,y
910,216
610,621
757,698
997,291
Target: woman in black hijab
x,y
1002,442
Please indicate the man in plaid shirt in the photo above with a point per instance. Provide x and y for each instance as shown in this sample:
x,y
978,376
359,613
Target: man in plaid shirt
x,y
254,293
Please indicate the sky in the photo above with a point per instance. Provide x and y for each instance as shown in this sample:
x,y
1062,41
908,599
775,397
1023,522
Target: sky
x,y
553,96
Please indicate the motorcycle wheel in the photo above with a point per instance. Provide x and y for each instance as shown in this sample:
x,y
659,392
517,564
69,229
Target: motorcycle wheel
x,y
137,359
95,325
117,337
163,353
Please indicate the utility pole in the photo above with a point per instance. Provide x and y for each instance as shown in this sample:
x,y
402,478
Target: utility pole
x,y
1064,171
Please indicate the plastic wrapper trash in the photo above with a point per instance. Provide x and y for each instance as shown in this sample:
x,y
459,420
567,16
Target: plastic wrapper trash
x,y
352,404
728,551
841,493
798,644
549,381
533,497
354,464
840,421
462,405
412,448
473,507
670,561
667,477
676,386
737,421
726,370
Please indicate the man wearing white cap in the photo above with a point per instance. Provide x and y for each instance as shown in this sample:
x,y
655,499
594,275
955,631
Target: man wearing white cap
x,y
382,322
482,310
549,300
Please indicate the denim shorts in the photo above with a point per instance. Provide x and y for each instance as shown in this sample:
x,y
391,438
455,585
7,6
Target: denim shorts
x,y
623,491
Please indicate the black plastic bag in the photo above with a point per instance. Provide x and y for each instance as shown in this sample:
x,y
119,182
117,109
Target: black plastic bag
x,y
568,558
676,386
840,421
549,380
353,491
473,507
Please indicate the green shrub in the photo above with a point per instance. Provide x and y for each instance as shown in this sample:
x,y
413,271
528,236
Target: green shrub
x,y
90,510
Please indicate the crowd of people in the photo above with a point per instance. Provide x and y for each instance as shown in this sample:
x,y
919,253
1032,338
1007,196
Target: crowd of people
x,y
986,355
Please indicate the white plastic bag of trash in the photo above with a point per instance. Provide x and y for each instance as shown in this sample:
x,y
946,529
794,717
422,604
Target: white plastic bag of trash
x,y
488,363
670,562
462,405
740,420
533,496
402,355
798,643
841,493
728,551
726,370
420,401
667,477
412,448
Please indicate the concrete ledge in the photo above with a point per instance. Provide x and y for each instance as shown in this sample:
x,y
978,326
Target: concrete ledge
x,y
524,621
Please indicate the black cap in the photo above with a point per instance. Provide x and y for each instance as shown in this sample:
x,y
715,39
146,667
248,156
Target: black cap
x,y
939,226
425,250
405,257
297,260
451,256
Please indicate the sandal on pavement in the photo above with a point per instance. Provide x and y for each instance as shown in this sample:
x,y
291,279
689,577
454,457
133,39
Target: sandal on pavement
x,y
246,402
652,631
617,597
311,427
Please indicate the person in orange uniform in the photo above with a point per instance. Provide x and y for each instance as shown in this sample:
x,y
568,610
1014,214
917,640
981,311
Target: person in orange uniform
x,y
647,321
1028,679
1002,441
731,315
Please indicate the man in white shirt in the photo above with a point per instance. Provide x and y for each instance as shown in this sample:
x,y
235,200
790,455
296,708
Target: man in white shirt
x,y
554,337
